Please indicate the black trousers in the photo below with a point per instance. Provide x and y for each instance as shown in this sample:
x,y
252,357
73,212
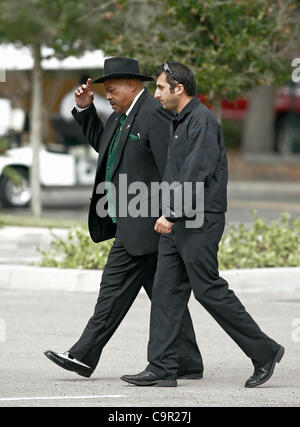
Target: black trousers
x,y
193,252
122,279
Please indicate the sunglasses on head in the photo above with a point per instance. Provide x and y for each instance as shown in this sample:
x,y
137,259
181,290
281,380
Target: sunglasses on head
x,y
167,68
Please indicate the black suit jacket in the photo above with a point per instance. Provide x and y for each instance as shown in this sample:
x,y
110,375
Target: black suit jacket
x,y
141,160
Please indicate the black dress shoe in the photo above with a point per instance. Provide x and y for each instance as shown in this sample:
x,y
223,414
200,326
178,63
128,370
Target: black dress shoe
x,y
65,361
263,373
189,375
148,378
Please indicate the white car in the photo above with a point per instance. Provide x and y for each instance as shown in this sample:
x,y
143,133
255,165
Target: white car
x,y
56,170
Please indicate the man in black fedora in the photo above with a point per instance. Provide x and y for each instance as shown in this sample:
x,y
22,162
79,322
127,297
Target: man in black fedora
x,y
132,144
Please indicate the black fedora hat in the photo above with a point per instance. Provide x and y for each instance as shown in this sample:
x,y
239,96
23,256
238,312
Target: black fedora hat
x,y
118,68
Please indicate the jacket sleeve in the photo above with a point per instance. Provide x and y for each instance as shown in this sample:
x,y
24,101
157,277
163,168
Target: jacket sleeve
x,y
159,136
91,125
202,155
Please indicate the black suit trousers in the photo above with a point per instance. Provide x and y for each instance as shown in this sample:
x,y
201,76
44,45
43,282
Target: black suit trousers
x,y
122,279
194,252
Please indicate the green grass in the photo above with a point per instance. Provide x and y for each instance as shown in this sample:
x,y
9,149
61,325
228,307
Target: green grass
x,y
30,221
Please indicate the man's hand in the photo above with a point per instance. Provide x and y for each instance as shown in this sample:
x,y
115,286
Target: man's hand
x,y
84,95
163,226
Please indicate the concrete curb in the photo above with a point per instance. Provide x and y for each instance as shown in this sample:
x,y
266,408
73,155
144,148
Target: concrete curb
x,y
30,278
14,277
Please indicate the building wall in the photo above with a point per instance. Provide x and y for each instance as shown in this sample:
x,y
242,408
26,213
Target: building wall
x,y
55,85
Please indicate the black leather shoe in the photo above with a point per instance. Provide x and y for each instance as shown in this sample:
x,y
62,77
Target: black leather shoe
x,y
263,373
148,378
65,361
189,375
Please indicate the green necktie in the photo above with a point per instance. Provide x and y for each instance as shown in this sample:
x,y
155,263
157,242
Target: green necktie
x,y
112,153
116,138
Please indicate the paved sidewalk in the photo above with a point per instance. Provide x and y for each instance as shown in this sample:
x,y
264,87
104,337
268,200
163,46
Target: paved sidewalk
x,y
18,245
33,322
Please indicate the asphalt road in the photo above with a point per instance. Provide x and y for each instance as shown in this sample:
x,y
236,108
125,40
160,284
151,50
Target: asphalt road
x,y
32,322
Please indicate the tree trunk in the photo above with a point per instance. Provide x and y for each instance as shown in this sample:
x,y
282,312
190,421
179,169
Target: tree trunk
x,y
217,109
36,131
258,132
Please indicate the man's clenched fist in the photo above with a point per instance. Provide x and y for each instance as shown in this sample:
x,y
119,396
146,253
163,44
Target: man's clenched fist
x,y
163,226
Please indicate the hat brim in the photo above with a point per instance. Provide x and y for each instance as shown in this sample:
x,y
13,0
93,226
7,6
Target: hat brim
x,y
122,76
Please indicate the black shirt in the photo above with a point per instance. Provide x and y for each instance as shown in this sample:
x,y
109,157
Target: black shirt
x,y
197,155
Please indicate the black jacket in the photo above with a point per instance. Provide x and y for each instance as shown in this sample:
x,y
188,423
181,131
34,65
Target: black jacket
x,y
143,159
197,154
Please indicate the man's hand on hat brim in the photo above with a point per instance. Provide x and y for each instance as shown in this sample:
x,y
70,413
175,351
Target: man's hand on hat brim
x,y
84,95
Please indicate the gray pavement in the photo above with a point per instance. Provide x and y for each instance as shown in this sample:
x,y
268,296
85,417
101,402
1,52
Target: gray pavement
x,y
40,310
33,322
19,245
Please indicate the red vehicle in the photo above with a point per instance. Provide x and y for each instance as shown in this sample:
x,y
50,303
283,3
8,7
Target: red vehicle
x,y
287,117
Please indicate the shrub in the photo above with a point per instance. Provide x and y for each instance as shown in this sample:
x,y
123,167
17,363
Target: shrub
x,y
264,245
77,251
3,145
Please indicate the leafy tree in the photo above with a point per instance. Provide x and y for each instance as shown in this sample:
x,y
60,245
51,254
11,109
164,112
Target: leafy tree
x,y
68,27
231,45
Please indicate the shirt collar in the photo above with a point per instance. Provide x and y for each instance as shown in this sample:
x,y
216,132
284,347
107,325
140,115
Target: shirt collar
x,y
188,108
134,102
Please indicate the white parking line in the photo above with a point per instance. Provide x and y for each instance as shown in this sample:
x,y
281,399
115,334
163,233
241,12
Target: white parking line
x,y
14,399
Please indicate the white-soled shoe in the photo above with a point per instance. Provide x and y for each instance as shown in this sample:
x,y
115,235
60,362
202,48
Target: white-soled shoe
x,y
65,361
